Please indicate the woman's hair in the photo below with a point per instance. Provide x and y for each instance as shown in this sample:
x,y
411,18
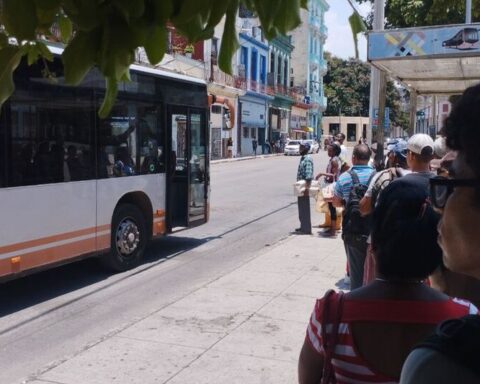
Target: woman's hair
x,y
404,232
336,148
462,127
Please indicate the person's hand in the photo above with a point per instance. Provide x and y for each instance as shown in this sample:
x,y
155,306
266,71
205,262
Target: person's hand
x,y
306,193
319,176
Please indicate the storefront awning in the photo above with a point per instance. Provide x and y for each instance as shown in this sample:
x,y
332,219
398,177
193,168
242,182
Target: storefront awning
x,y
429,60
308,129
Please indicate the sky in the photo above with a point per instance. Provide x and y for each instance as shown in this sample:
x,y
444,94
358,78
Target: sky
x,y
340,38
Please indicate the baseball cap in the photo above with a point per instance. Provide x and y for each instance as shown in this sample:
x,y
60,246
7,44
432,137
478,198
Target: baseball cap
x,y
440,147
305,144
400,148
421,144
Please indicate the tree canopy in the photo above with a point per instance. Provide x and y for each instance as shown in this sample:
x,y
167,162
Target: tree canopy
x,y
106,33
414,13
347,87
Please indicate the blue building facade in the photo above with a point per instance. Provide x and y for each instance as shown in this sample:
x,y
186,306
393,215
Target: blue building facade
x,y
317,63
252,61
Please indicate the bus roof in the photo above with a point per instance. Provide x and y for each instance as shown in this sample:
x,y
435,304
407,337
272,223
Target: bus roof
x,y
429,60
143,68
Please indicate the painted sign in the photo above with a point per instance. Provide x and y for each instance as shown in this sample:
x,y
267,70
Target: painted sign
x,y
449,41
386,119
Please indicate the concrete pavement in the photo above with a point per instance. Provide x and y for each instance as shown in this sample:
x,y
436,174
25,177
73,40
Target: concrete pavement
x,y
244,327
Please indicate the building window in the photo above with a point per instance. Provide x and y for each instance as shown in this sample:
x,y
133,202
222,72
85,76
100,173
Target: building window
x,y
216,109
263,69
253,133
333,128
245,132
214,53
352,132
244,58
253,74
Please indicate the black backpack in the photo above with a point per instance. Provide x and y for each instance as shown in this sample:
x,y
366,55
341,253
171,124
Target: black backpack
x,y
459,340
355,225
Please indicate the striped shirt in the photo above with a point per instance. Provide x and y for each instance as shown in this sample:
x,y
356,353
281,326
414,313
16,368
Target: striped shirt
x,y
350,367
305,168
344,183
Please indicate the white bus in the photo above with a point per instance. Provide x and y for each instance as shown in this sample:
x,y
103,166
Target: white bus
x,y
74,186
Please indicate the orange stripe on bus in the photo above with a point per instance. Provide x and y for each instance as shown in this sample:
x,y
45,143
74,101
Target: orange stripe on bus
x,y
46,256
51,239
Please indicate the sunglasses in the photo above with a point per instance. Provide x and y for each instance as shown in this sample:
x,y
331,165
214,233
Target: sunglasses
x,y
441,188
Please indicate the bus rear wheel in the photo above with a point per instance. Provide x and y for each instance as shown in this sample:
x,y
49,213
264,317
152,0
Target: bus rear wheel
x,y
129,238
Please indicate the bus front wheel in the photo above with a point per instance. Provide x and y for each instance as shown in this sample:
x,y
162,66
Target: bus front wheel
x,y
129,238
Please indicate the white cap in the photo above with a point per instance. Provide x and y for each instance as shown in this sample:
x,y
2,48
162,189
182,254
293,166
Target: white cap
x,y
440,147
421,144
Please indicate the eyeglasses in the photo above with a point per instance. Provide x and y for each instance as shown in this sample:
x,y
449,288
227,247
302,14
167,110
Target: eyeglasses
x,y
441,188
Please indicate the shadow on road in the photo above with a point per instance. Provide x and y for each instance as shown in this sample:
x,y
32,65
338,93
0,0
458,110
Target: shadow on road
x,y
30,290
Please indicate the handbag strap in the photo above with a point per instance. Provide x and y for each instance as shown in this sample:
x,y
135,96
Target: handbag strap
x,y
330,340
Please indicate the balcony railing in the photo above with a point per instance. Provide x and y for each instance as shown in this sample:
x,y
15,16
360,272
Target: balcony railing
x,y
223,78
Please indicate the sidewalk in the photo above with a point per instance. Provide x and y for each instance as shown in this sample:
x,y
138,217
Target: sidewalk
x,y
241,158
246,327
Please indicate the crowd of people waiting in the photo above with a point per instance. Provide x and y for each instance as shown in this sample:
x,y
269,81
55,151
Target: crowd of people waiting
x,y
411,237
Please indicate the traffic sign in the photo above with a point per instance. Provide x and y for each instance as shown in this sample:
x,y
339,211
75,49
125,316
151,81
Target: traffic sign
x,y
386,121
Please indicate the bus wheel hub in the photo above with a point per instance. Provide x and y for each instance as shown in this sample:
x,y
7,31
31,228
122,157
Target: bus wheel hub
x,y
127,237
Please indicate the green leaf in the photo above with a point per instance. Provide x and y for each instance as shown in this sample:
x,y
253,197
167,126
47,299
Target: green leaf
x,y
10,57
130,8
357,25
3,40
20,19
79,56
32,53
66,28
111,86
46,11
162,10
156,45
187,10
44,51
229,39
288,15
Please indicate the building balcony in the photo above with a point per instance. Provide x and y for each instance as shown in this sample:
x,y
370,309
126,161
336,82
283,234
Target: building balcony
x,y
324,31
315,22
257,86
314,59
224,79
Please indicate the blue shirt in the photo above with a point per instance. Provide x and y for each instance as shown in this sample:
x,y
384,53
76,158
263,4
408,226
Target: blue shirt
x,y
344,183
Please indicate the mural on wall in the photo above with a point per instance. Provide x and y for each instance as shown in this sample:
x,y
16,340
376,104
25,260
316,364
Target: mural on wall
x,y
447,41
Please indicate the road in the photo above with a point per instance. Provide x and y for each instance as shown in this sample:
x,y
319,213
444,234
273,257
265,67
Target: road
x,y
52,316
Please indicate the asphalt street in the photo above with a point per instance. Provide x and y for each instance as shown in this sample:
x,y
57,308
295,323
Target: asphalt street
x,y
49,317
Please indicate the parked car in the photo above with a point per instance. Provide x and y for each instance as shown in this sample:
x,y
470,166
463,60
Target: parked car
x,y
314,146
292,148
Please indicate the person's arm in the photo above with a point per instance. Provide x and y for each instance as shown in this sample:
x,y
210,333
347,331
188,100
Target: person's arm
x,y
366,206
338,199
310,365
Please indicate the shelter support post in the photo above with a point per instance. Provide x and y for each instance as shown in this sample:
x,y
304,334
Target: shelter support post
x,y
413,113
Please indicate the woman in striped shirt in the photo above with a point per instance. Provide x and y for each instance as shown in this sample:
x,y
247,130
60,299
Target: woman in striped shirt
x,y
381,322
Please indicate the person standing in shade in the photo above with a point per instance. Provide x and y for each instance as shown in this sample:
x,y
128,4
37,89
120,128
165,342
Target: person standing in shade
x,y
229,148
349,190
305,172
254,145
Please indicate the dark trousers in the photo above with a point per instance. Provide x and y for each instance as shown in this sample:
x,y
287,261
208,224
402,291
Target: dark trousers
x,y
304,214
356,254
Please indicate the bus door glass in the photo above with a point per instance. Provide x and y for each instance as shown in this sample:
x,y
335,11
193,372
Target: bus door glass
x,y
197,168
177,184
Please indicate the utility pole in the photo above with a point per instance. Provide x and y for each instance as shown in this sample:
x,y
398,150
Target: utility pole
x,y
377,89
468,12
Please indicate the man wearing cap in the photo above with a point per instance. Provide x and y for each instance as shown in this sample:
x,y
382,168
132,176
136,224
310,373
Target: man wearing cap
x,y
399,168
420,151
305,172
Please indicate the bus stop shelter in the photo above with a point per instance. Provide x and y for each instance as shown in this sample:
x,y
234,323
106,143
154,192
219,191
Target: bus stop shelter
x,y
442,60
